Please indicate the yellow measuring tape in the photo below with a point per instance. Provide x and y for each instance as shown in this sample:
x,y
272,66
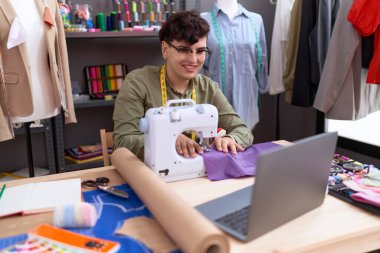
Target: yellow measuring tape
x,y
164,94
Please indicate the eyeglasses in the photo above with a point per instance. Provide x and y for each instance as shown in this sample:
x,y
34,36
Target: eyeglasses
x,y
201,53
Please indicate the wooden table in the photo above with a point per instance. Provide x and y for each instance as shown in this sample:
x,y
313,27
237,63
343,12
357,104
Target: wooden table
x,y
334,227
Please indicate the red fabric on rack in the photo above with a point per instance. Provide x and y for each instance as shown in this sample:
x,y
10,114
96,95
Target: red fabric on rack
x,y
365,17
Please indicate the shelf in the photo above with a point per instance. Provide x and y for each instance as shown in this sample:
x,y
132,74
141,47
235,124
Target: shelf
x,y
94,103
21,131
70,166
89,35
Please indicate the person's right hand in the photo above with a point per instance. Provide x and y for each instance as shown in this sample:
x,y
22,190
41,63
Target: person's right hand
x,y
187,147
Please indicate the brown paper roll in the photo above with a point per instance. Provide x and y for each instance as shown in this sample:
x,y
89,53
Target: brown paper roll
x,y
192,232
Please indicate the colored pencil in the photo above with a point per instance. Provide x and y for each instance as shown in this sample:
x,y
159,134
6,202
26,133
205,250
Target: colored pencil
x,y
2,190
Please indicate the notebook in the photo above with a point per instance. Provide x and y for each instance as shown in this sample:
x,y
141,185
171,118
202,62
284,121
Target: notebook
x,y
290,181
40,197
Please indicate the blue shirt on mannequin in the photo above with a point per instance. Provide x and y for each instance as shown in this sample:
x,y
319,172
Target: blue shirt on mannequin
x,y
241,70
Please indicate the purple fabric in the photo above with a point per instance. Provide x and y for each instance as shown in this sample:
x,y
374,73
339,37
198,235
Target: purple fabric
x,y
221,166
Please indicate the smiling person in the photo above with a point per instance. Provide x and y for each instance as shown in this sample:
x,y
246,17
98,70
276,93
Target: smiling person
x,y
183,40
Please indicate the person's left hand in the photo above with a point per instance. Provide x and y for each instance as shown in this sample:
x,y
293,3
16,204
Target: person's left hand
x,y
226,143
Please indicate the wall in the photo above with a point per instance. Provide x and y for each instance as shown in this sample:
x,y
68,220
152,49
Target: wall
x,y
13,153
134,52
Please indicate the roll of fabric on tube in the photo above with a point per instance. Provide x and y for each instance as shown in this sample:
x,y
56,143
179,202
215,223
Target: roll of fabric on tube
x,y
81,215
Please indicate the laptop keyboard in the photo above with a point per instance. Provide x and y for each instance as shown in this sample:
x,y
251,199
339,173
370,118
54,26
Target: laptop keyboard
x,y
237,220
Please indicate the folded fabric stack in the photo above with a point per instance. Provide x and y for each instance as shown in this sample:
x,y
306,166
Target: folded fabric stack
x,y
367,187
85,153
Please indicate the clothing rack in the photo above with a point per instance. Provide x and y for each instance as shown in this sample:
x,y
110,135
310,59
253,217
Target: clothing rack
x,y
29,149
277,126
51,145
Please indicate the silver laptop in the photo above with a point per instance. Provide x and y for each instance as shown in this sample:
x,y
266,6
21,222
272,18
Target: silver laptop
x,y
290,181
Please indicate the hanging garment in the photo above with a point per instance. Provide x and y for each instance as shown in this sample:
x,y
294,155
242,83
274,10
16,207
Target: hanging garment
x,y
341,94
367,50
278,47
292,49
318,18
16,65
365,16
239,59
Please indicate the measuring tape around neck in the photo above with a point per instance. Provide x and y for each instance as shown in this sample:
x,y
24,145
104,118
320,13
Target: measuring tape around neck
x,y
164,94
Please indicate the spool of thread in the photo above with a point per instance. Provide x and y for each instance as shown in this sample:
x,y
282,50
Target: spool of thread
x,y
101,22
167,14
82,215
114,21
121,25
109,27
136,17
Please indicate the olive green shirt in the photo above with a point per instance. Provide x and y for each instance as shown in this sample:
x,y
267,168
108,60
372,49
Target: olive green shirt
x,y
141,90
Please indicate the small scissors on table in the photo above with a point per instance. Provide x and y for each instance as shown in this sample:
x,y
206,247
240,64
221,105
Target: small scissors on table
x,y
102,184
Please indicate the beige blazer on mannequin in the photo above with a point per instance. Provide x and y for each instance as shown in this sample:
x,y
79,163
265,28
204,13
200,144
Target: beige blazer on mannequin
x,y
16,98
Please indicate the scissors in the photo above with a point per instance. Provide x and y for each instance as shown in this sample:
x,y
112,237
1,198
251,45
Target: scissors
x,y
102,184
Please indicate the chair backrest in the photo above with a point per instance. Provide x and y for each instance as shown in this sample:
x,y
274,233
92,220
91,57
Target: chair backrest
x,y
107,142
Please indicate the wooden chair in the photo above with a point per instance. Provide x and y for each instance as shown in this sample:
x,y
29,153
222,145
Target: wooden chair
x,y
107,142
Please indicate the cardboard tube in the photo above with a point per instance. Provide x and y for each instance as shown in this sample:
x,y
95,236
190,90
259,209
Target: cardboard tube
x,y
191,231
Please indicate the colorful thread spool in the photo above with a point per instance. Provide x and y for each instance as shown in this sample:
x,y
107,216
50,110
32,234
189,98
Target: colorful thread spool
x,y
82,215
114,21
121,25
101,22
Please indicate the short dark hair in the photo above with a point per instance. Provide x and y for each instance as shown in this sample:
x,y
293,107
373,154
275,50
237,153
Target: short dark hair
x,y
186,26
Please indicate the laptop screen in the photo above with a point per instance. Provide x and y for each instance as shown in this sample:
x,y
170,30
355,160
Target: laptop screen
x,y
290,181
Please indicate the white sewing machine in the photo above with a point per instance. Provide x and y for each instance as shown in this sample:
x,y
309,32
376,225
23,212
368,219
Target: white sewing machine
x,y
163,125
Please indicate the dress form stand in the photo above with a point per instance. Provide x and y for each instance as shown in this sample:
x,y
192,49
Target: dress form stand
x,y
41,82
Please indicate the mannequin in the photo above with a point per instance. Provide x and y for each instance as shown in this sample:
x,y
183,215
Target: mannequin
x,y
229,7
238,62
41,84
35,81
